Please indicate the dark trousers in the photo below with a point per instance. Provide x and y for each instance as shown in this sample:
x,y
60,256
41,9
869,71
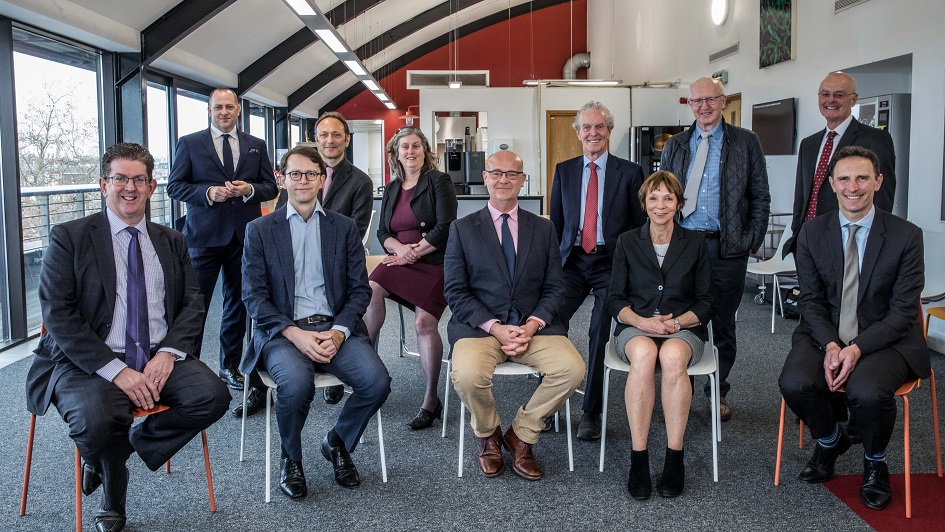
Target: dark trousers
x,y
207,263
356,365
100,421
584,274
870,391
728,286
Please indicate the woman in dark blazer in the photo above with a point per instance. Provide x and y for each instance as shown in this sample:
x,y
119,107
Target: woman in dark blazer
x,y
418,206
660,296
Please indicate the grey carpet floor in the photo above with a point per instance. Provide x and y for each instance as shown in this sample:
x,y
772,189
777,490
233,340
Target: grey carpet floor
x,y
423,491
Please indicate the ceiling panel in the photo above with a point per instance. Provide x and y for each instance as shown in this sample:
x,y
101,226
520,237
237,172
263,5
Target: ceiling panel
x,y
300,69
139,18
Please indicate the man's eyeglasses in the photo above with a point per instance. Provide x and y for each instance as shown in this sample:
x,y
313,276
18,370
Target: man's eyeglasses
x,y
839,95
310,176
696,102
121,180
512,175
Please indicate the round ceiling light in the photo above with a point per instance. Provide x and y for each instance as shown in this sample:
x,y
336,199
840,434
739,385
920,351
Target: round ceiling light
x,y
719,11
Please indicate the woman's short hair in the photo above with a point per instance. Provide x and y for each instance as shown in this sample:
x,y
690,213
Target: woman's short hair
x,y
667,180
429,158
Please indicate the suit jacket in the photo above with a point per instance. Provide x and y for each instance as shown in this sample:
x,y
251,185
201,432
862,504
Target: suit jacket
x,y
681,284
434,205
621,211
269,277
351,194
477,284
808,156
77,294
197,168
891,281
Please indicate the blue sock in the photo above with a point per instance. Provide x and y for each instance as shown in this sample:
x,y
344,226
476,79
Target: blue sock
x,y
876,457
830,441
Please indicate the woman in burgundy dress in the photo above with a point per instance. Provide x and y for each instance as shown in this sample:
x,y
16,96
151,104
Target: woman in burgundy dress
x,y
418,206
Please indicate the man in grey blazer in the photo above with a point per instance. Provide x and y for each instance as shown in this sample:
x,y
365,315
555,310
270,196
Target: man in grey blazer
x,y
504,287
305,285
92,305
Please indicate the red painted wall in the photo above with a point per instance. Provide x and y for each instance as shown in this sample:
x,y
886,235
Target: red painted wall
x,y
531,46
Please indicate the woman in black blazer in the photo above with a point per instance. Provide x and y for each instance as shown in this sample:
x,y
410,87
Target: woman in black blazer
x,y
418,206
660,296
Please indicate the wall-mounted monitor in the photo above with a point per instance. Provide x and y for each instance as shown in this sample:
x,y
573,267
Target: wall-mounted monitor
x,y
775,124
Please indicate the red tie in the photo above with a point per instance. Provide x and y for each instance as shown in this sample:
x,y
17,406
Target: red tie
x,y
589,230
819,176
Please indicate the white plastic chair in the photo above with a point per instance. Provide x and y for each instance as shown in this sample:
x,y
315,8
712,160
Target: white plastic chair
x,y
322,380
708,365
367,234
776,266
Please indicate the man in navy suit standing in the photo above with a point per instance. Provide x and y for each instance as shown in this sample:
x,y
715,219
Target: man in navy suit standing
x,y
305,284
593,201
223,175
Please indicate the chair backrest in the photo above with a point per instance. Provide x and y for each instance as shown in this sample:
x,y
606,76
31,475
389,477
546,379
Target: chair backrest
x,y
785,236
367,234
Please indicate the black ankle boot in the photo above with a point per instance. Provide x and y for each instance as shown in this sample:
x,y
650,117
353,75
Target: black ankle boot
x,y
674,474
639,484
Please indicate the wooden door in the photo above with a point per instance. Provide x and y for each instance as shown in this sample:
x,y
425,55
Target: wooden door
x,y
733,110
562,143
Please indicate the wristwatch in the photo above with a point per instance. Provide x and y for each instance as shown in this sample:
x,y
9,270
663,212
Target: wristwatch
x,y
676,323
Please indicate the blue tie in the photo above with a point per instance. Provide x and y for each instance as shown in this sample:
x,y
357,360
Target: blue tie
x,y
137,335
227,156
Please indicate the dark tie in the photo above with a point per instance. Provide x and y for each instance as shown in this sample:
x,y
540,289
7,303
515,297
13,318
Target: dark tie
x,y
589,229
227,156
508,249
819,175
137,335
848,328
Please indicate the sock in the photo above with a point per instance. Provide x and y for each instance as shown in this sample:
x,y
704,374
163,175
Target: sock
x,y
876,457
831,441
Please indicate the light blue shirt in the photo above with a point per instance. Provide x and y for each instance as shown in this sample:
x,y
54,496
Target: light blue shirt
x,y
706,215
601,163
862,234
311,296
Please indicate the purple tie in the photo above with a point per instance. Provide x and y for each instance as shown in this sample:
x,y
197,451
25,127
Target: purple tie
x,y
137,335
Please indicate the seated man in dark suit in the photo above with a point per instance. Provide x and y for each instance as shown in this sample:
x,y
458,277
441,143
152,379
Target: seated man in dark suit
x,y
122,310
504,287
861,272
305,284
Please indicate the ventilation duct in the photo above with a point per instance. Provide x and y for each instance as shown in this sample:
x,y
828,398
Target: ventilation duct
x,y
575,63
725,52
437,79
840,5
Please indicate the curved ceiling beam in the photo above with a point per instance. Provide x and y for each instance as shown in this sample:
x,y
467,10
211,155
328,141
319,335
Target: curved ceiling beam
x,y
302,39
435,43
176,24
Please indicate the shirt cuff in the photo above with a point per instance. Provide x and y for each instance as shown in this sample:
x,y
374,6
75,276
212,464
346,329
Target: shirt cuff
x,y
541,322
488,325
178,354
343,329
111,370
209,201
250,195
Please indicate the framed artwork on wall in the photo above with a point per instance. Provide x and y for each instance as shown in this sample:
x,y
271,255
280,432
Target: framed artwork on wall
x,y
776,42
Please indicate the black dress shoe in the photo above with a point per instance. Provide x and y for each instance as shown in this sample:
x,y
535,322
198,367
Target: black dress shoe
x,y
820,467
91,480
107,520
875,492
549,423
255,401
346,474
589,427
232,378
334,394
424,418
292,479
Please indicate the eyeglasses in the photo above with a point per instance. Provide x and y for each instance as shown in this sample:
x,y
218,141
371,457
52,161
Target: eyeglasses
x,y
511,175
696,102
310,176
121,180
839,95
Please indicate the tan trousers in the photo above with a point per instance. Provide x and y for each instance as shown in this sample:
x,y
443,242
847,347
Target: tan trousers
x,y
474,363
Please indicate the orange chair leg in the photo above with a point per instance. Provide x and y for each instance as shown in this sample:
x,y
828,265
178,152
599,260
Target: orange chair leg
x,y
938,440
78,491
29,461
167,467
908,461
206,462
777,463
800,434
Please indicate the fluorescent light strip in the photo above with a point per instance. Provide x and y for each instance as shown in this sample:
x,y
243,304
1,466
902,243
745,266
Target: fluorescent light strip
x,y
301,7
356,68
369,83
332,40
381,96
455,84
391,106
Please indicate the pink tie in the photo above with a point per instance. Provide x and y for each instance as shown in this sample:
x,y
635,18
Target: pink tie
x,y
329,171
589,231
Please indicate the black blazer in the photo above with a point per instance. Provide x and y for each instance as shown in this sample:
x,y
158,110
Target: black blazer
x,y
891,281
477,284
857,134
621,210
351,194
434,205
683,283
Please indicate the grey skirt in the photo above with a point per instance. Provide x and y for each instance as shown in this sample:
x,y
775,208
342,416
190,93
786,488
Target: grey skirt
x,y
695,343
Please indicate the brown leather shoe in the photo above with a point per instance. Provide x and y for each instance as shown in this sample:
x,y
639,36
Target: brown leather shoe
x,y
523,461
490,454
725,411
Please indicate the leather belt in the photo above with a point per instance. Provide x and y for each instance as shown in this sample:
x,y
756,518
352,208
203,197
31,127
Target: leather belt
x,y
709,234
598,250
314,318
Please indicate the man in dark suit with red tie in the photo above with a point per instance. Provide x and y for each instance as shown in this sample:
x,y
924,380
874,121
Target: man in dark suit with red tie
x,y
593,201
223,175
122,310
861,272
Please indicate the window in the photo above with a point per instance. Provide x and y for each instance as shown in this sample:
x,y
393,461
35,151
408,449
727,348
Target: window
x,y
295,130
159,138
192,115
258,123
